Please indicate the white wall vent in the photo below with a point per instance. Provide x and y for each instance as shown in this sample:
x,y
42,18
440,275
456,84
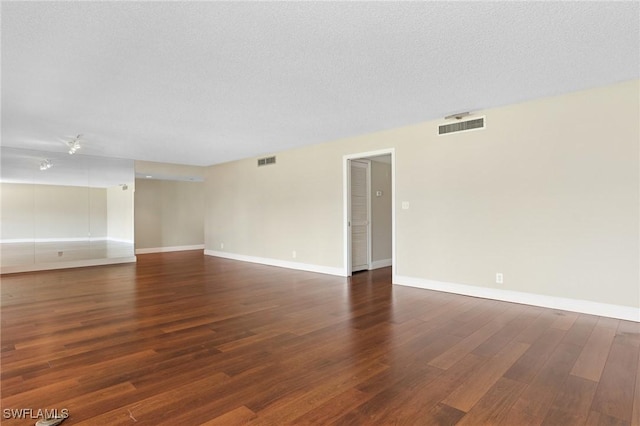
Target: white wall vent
x,y
462,126
266,161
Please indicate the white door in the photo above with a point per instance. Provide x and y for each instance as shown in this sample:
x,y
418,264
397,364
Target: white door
x,y
360,221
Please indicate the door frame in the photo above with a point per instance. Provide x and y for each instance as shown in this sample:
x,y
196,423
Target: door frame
x,y
346,205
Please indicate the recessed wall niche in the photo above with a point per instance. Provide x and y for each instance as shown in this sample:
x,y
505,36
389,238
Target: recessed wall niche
x,y
76,212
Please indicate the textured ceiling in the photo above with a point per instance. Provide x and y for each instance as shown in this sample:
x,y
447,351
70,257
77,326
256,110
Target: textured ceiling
x,y
202,83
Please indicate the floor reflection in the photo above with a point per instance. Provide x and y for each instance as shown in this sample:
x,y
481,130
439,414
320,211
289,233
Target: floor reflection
x,y
371,309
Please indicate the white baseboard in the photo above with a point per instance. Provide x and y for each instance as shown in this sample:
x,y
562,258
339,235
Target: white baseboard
x,y
628,313
51,240
377,264
63,240
64,265
280,263
168,249
118,240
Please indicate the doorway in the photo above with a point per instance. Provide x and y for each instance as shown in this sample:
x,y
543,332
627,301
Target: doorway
x,y
369,211
360,199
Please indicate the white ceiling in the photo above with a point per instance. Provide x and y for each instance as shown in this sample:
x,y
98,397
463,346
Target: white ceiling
x,y
203,83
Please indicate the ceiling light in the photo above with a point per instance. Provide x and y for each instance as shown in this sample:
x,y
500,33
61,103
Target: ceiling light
x,y
74,145
458,116
46,164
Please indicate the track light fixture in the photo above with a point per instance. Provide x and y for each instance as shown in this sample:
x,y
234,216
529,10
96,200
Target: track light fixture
x,y
74,145
458,116
46,164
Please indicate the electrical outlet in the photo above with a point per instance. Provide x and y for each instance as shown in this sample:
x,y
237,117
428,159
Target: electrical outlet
x,y
499,278
294,254
221,245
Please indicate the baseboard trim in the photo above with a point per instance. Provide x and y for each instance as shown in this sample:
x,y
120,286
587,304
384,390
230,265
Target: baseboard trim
x,y
65,265
384,263
51,240
279,263
119,240
63,240
169,249
574,305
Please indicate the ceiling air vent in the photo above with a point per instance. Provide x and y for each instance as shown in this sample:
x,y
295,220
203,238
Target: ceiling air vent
x,y
266,161
461,126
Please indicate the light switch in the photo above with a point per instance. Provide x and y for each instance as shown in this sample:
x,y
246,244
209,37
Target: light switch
x,y
405,205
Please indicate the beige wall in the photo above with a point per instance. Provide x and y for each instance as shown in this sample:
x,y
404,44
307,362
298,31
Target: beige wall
x,y
168,213
168,170
380,211
271,211
547,194
31,211
98,212
18,211
120,213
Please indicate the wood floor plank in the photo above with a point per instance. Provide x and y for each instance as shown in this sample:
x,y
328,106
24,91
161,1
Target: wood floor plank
x,y
47,395
90,404
531,362
472,320
616,389
541,320
471,391
330,411
237,417
438,389
572,403
599,419
536,400
492,345
594,355
468,344
289,411
440,414
628,333
162,406
384,407
635,417
565,320
581,330
495,404
182,338
452,308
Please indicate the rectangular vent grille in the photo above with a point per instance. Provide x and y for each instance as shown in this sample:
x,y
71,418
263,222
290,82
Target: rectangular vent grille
x,y
461,126
266,161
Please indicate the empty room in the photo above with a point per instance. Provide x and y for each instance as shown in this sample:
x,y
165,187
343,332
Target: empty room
x,y
363,213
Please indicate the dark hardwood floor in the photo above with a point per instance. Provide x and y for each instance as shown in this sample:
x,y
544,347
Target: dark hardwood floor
x,y
185,339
